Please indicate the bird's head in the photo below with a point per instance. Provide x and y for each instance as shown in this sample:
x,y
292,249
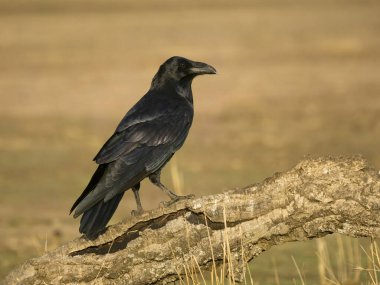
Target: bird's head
x,y
179,69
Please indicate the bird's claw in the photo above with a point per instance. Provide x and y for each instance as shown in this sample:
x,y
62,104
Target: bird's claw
x,y
137,212
164,204
190,196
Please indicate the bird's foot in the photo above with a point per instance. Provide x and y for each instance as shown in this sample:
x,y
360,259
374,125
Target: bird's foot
x,y
137,212
175,200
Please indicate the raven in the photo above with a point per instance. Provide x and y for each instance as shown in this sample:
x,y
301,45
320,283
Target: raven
x,y
144,141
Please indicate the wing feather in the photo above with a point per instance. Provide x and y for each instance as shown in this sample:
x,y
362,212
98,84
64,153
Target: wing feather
x,y
144,141
165,129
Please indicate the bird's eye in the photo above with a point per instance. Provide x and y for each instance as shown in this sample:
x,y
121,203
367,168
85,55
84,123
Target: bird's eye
x,y
182,65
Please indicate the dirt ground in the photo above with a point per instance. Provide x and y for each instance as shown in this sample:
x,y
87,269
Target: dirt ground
x,y
295,79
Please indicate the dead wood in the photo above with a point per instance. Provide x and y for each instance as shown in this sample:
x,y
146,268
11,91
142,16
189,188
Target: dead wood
x,y
315,198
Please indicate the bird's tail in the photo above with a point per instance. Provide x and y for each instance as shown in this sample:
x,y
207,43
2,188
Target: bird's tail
x,y
95,219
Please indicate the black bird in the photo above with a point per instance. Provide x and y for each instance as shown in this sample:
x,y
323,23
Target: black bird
x,y
144,141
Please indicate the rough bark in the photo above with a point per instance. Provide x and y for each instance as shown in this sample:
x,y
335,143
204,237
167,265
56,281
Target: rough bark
x,y
315,198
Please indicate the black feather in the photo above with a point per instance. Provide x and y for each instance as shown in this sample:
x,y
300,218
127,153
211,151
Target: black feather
x,y
91,185
144,141
94,220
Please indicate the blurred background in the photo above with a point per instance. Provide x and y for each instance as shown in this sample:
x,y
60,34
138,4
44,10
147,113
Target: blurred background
x,y
295,79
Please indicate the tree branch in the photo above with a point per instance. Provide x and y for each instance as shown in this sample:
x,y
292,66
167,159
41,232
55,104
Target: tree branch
x,y
315,198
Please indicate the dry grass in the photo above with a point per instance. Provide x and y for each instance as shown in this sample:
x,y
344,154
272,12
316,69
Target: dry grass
x,y
341,261
295,78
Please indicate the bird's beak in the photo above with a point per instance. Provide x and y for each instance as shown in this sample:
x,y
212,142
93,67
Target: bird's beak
x,y
199,68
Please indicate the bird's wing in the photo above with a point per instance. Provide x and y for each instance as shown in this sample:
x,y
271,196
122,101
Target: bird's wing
x,y
134,153
137,132
91,185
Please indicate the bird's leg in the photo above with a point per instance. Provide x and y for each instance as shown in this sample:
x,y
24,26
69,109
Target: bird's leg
x,y
155,179
140,209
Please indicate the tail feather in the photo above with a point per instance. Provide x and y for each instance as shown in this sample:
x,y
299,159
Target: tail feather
x,y
95,219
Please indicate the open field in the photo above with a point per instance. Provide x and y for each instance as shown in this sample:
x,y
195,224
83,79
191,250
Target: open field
x,y
296,78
